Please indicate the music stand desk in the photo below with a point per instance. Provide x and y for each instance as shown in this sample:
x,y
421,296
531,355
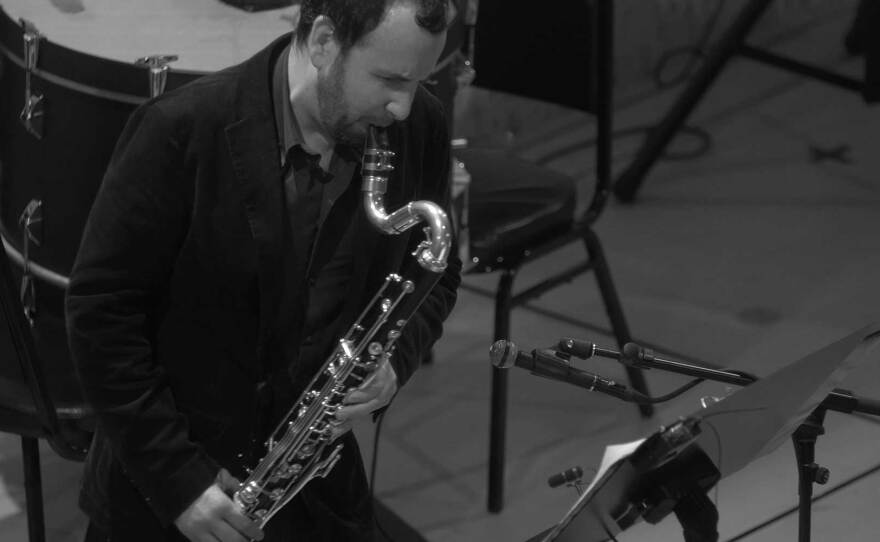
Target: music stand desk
x,y
746,425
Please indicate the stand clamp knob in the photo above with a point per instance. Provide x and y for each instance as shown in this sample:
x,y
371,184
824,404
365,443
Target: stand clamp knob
x,y
821,475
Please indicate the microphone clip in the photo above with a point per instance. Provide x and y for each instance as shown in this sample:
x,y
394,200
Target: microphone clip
x,y
572,477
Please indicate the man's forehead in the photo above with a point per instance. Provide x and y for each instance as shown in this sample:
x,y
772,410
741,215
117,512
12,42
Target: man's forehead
x,y
403,13
398,44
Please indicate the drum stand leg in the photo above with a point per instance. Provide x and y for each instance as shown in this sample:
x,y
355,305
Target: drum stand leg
x,y
33,489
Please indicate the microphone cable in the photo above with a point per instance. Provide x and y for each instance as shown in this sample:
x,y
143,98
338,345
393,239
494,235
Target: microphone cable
x,y
695,53
649,400
373,465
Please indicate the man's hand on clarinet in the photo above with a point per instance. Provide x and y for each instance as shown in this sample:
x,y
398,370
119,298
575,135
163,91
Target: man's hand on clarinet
x,y
375,392
214,516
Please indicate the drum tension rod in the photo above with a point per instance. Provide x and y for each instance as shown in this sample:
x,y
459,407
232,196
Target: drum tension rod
x,y
158,75
31,221
32,113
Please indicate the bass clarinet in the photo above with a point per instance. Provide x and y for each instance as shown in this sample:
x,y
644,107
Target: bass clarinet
x,y
300,447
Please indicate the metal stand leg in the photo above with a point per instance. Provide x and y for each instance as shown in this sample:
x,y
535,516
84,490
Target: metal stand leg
x,y
498,414
33,489
804,439
659,137
614,311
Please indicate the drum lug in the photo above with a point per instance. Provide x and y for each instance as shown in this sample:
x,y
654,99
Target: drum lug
x,y
158,65
31,221
32,114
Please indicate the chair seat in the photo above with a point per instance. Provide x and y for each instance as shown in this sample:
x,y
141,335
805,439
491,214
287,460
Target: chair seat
x,y
514,205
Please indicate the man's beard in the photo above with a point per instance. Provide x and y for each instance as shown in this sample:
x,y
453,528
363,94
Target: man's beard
x,y
332,109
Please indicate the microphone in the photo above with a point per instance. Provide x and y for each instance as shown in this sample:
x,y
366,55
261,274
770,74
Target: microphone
x,y
585,349
547,363
634,355
573,474
632,351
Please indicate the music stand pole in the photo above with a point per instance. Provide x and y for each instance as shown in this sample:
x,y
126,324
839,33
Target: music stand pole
x,y
804,439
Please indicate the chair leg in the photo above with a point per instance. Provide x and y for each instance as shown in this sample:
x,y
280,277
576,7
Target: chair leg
x,y
33,489
498,409
614,311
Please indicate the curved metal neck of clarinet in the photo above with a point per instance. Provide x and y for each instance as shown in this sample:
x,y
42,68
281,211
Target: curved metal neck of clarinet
x,y
376,169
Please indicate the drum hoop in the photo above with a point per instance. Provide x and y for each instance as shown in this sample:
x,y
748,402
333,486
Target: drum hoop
x,y
47,275
133,99
73,85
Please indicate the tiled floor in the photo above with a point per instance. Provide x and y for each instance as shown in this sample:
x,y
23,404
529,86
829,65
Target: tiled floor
x,y
748,256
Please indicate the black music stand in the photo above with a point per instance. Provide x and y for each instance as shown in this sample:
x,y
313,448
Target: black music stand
x,y
732,42
644,480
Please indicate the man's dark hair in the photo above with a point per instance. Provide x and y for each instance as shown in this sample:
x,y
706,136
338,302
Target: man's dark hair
x,y
354,19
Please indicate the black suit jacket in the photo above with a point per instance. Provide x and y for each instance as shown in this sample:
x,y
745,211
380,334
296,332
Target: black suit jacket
x,y
172,308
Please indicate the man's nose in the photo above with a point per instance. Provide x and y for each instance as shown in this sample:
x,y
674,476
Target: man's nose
x,y
400,104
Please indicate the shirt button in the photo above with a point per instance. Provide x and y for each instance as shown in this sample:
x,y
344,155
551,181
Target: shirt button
x,y
312,281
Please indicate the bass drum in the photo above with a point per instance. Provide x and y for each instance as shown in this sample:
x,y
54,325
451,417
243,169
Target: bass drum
x,y
69,79
85,71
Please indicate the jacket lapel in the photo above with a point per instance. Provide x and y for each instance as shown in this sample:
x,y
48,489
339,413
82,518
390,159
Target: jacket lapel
x,y
253,149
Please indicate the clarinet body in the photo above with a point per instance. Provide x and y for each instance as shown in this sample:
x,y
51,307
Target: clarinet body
x,y
300,447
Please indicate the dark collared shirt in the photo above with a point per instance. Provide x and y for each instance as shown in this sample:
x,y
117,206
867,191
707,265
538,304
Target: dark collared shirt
x,y
314,290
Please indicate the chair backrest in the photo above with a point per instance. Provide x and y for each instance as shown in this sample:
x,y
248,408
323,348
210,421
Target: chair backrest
x,y
507,42
516,51
25,405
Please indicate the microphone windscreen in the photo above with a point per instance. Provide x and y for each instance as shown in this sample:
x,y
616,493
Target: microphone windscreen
x,y
632,351
503,354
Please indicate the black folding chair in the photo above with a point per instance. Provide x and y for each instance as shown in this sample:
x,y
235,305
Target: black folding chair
x,y
520,212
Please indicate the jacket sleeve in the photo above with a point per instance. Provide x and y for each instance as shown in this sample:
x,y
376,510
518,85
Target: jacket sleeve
x,y
117,288
426,325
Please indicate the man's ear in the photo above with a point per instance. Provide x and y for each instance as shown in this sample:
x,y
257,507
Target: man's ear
x,y
322,43
452,12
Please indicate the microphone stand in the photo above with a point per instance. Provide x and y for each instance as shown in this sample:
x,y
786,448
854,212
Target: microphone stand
x,y
804,437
